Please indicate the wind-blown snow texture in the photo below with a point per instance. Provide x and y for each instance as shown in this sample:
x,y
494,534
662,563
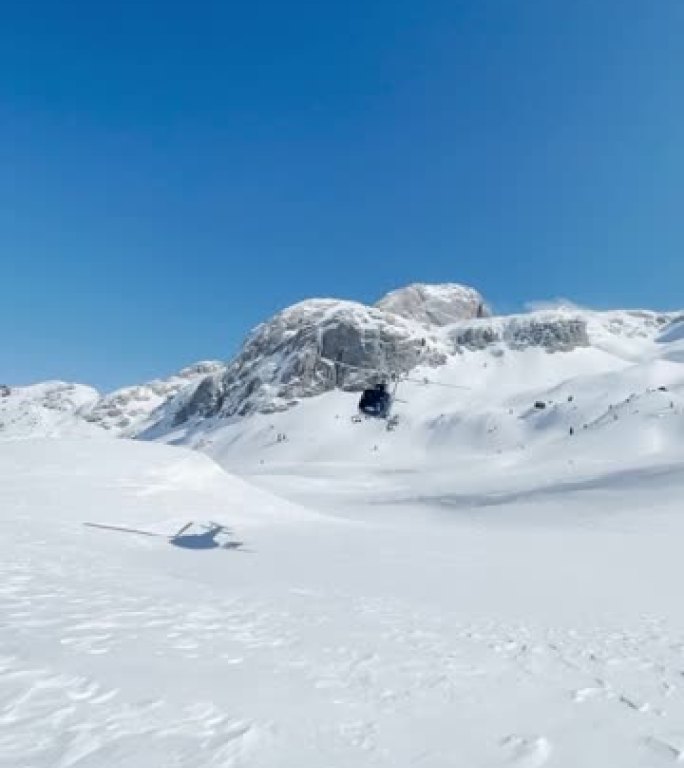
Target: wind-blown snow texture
x,y
496,582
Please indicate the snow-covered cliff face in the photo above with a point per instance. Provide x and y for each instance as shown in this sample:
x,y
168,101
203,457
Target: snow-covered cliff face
x,y
322,345
125,410
568,384
543,329
310,348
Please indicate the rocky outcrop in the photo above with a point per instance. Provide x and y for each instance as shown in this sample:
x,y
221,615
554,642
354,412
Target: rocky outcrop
x,y
672,332
127,409
204,401
435,305
543,329
323,344
310,348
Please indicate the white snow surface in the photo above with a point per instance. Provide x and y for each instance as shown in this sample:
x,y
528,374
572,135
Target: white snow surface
x,y
516,609
496,582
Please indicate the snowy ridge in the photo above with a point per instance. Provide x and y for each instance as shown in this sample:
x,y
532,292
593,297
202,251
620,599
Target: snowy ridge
x,y
312,359
56,409
48,409
124,410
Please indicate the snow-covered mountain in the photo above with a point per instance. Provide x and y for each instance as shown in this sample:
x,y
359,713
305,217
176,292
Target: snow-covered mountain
x,y
59,409
48,409
495,582
553,383
323,346
285,358
470,383
124,410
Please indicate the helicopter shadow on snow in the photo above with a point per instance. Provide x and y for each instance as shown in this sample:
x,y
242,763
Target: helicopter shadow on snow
x,y
209,536
205,539
202,541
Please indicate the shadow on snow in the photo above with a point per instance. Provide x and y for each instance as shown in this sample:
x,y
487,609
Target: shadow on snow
x,y
205,539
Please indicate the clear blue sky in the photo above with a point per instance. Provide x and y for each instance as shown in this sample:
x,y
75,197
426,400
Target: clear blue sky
x,y
171,173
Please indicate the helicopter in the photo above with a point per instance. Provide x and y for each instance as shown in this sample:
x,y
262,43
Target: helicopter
x,y
379,396
376,401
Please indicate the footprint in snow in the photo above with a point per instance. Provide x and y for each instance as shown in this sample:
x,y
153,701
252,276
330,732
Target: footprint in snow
x,y
527,751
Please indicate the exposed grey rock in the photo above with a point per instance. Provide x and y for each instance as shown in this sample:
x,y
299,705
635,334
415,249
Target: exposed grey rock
x,y
635,323
560,335
553,333
435,305
126,409
323,344
206,400
310,348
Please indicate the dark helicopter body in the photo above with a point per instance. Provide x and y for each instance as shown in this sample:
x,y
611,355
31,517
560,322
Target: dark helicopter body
x,y
376,402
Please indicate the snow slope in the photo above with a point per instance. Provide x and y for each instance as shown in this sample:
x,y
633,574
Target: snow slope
x,y
572,386
403,619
